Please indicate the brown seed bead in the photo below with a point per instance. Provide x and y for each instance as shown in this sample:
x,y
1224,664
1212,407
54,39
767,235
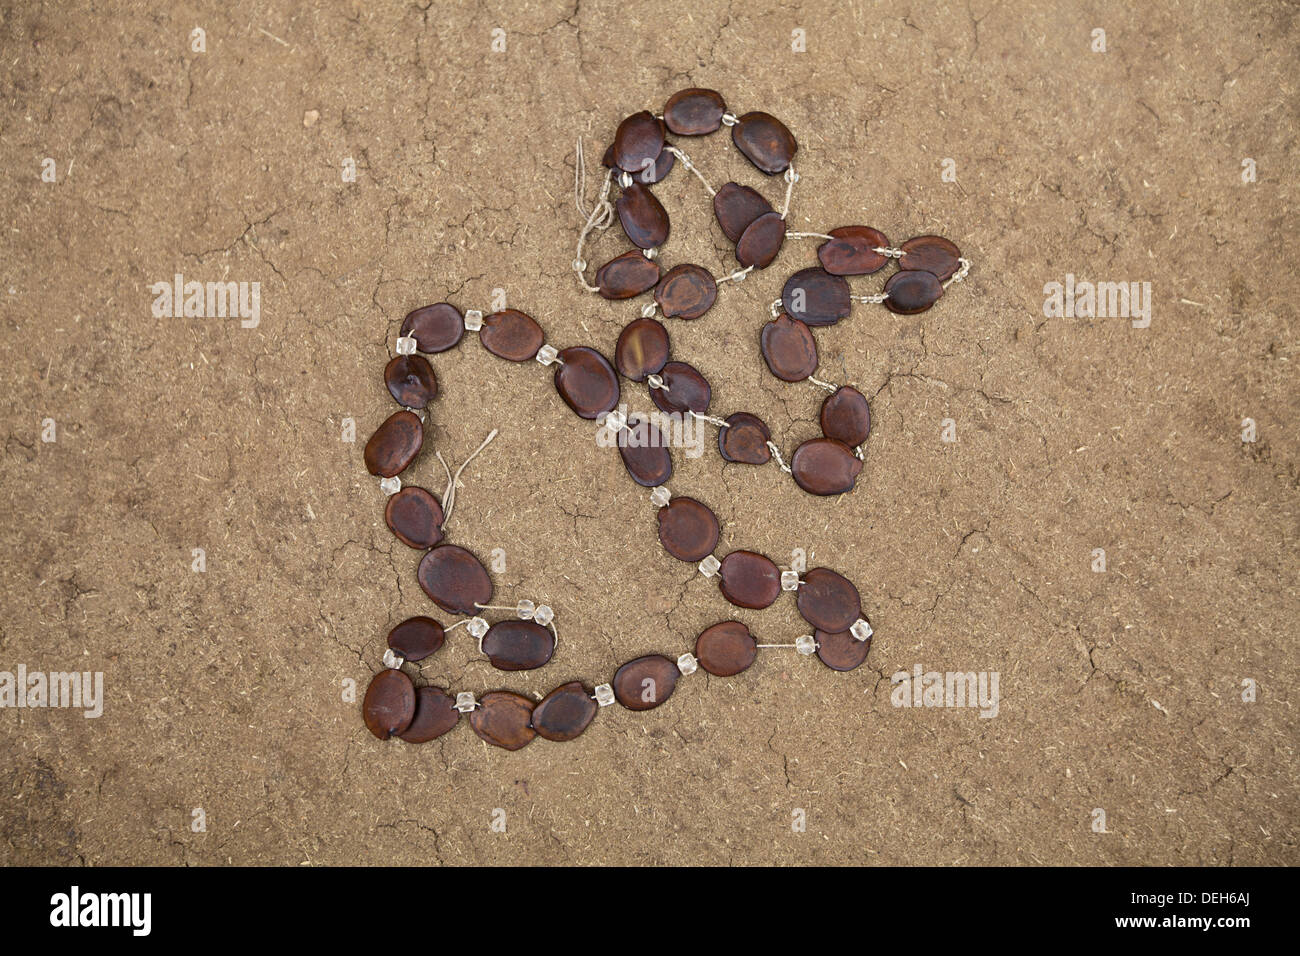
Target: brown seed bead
x,y
744,440
694,112
747,579
688,530
454,579
824,466
435,328
645,453
435,714
737,206
931,253
726,649
852,251
789,349
394,444
504,720
761,241
518,645
511,335
645,682
824,300
627,275
411,381
765,141
416,638
686,291
415,517
687,389
912,292
389,704
608,158
827,600
564,713
841,651
846,416
639,137
657,170
642,349
586,381
643,217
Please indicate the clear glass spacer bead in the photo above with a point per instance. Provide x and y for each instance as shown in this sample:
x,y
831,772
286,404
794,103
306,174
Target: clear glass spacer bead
x,y
654,381
789,580
473,319
604,695
525,610
546,354
709,566
390,486
465,702
687,664
615,421
805,645
477,627
660,496
393,659
544,614
861,629
406,345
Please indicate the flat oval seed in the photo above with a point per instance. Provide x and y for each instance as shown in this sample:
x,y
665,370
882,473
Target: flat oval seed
x,y
765,141
657,170
841,651
726,649
815,297
564,713
645,453
761,241
643,217
645,682
454,579
931,253
586,381
686,291
824,466
736,206
642,348
411,381
639,137
394,444
504,720
416,638
687,389
694,112
518,645
688,530
846,416
435,714
789,348
435,328
912,292
852,251
745,440
747,579
415,517
828,601
511,335
627,275
389,705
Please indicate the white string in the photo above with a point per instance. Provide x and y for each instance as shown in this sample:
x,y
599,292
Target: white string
x,y
961,273
449,496
791,177
686,161
708,418
601,215
870,299
889,253
775,306
807,235
826,385
738,275
779,460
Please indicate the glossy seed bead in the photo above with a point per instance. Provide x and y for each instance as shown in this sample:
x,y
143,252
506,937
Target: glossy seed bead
x,y
912,292
639,137
846,416
841,651
726,649
645,454
564,713
748,579
435,714
765,141
389,704
828,600
394,444
587,382
736,206
694,112
851,251
642,349
687,389
815,297
643,217
657,170
436,328
411,381
454,579
686,291
511,335
824,466
416,638
789,348
744,440
761,241
504,720
518,645
415,517
645,682
688,530
931,253
627,275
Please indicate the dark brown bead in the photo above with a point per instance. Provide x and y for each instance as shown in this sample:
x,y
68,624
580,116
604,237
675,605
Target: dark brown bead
x,y
828,600
415,517
737,206
765,141
642,349
564,713
435,328
931,253
586,381
454,579
504,719
411,381
511,335
608,158
841,651
687,389
645,682
416,638
686,291
846,416
627,275
639,137
645,453
912,292
394,444
789,348
389,704
745,440
815,297
688,530
643,217
435,714
655,173
518,645
726,649
694,112
824,466
852,251
761,241
747,579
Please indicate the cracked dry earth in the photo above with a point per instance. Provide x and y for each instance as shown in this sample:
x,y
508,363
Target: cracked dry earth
x,y
1120,691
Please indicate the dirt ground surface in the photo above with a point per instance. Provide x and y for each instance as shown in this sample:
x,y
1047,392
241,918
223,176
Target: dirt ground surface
x,y
1146,710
